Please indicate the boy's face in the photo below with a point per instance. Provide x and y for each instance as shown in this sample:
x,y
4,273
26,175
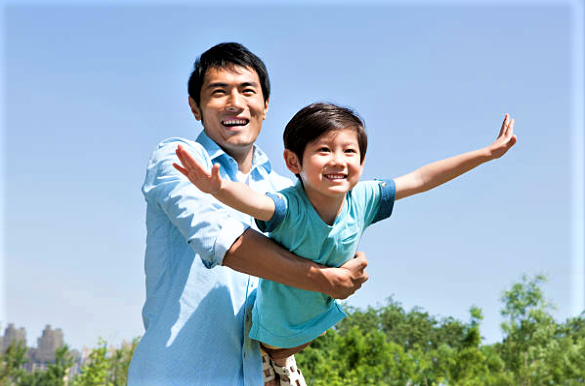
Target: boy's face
x,y
331,164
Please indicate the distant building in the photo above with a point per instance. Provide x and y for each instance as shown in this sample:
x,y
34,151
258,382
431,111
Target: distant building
x,y
12,334
47,344
40,357
50,341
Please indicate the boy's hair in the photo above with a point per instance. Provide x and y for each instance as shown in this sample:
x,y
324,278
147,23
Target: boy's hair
x,y
317,119
226,55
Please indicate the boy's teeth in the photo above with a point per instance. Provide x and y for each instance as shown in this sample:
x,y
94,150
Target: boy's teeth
x,y
335,176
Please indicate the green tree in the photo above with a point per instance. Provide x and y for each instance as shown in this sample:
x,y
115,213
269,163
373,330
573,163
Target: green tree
x,y
95,372
536,349
119,363
11,365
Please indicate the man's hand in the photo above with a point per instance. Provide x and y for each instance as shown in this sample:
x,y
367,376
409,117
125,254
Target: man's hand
x,y
506,139
255,254
349,277
210,183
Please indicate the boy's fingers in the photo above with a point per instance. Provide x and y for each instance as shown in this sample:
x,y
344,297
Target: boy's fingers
x,y
181,169
215,171
180,154
504,125
511,127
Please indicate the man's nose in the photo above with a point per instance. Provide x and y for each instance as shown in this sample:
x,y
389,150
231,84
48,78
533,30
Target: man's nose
x,y
235,101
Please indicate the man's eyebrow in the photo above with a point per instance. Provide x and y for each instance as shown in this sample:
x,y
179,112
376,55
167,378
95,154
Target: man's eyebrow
x,y
250,83
216,84
221,84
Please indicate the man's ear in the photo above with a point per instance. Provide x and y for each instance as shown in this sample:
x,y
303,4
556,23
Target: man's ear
x,y
195,109
265,108
292,161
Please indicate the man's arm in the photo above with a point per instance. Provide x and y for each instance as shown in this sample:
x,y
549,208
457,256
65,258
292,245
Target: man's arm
x,y
234,194
255,254
437,173
220,239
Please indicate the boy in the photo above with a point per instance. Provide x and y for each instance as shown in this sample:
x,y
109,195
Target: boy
x,y
323,215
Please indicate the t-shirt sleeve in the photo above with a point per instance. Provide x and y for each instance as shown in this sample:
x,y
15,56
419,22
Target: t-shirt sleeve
x,y
387,198
280,208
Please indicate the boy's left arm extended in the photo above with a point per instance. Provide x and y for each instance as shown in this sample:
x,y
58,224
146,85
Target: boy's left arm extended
x,y
437,173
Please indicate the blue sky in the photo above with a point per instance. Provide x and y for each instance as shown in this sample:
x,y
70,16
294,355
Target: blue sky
x,y
90,90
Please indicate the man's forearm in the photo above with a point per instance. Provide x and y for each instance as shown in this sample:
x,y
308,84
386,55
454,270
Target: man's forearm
x,y
255,254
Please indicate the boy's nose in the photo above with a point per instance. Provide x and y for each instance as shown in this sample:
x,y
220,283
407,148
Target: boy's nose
x,y
336,158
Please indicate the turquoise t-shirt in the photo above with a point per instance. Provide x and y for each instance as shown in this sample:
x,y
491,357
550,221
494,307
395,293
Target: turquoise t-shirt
x,y
285,316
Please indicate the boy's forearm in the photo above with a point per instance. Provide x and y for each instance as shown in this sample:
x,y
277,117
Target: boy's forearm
x,y
437,173
440,172
246,200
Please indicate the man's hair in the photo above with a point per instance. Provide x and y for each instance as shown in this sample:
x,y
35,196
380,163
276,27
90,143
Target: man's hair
x,y
226,55
317,119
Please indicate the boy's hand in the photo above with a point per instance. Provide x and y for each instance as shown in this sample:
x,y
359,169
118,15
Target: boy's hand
x,y
206,182
506,139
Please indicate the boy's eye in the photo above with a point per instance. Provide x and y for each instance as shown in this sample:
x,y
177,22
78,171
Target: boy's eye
x,y
351,151
323,149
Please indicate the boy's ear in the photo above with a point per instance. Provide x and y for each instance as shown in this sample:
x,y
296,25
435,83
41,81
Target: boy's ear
x,y
292,161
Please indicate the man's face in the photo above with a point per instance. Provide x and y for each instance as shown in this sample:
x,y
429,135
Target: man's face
x,y
232,108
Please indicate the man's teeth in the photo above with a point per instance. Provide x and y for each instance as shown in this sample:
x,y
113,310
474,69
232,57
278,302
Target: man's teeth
x,y
235,122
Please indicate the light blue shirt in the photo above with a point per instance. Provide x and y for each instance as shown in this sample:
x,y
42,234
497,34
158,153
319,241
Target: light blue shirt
x,y
196,318
285,316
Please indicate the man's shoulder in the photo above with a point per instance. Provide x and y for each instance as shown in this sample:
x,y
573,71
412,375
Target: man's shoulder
x,y
168,146
279,181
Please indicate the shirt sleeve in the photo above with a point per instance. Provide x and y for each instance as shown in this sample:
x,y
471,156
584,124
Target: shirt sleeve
x,y
387,198
204,223
280,208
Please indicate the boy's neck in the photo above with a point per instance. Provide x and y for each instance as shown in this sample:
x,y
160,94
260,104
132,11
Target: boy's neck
x,y
328,208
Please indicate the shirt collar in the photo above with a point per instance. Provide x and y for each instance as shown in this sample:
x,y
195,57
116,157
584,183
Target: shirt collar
x,y
259,158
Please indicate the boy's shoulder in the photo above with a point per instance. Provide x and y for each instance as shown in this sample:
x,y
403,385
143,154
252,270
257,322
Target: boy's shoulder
x,y
369,187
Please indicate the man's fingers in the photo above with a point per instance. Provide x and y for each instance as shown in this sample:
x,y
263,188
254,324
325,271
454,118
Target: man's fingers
x,y
360,258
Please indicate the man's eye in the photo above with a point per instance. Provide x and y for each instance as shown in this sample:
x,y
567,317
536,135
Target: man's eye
x,y
218,92
249,91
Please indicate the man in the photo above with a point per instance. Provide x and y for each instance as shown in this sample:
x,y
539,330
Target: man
x,y
202,258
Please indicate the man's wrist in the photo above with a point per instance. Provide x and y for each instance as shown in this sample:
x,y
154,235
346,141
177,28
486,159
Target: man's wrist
x,y
324,278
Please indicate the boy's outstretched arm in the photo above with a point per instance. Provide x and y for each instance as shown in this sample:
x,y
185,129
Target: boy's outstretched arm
x,y
437,173
234,194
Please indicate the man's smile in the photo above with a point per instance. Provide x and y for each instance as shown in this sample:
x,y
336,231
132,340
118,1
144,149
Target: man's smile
x,y
235,122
